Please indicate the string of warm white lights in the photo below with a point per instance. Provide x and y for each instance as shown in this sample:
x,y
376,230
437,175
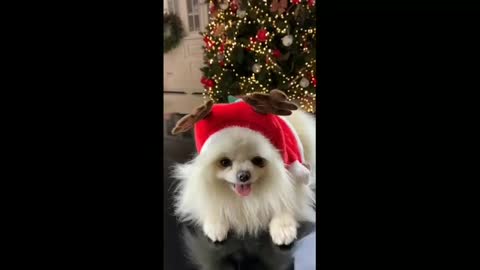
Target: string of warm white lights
x,y
220,49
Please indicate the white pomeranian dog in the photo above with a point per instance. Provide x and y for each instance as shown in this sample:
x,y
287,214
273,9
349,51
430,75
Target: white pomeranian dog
x,y
240,182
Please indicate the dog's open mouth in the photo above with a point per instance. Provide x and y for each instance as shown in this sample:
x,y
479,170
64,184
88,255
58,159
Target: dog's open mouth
x,y
242,189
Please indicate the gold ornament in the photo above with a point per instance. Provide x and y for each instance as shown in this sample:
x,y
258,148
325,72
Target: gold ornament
x,y
278,6
219,30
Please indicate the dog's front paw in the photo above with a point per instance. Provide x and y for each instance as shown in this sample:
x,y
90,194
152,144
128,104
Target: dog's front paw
x,y
217,232
283,230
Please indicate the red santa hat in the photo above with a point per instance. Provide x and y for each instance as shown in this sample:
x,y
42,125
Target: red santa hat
x,y
273,127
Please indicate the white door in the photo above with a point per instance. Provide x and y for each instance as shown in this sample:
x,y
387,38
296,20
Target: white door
x,y
181,66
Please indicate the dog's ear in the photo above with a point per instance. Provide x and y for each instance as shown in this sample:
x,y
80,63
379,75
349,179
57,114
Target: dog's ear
x,y
275,102
188,121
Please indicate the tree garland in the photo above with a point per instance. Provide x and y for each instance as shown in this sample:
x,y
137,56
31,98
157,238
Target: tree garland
x,y
172,32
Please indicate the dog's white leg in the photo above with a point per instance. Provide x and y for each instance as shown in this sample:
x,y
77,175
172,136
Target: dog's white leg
x,y
215,228
283,229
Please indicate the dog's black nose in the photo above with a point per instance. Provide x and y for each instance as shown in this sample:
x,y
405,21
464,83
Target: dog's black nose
x,y
243,176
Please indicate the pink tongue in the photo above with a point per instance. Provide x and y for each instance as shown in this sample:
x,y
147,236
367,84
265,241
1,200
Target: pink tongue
x,y
243,190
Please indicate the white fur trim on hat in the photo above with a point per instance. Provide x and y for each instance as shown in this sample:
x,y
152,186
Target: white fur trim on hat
x,y
299,172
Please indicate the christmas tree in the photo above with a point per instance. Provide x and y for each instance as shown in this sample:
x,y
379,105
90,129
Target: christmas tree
x,y
260,45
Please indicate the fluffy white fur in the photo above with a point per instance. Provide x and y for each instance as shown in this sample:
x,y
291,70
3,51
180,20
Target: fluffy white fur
x,y
205,196
304,125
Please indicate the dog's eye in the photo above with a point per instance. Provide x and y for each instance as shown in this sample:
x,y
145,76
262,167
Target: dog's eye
x,y
225,162
258,161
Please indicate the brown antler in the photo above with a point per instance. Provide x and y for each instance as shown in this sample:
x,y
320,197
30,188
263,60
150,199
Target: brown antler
x,y
275,103
187,122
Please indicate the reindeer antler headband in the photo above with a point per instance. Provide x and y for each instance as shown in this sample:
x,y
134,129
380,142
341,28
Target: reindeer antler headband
x,y
276,102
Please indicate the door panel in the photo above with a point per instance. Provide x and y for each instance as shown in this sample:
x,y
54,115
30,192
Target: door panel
x,y
181,66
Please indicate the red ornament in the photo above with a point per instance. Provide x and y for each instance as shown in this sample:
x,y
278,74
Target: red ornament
x,y
222,48
209,83
221,63
314,81
295,2
262,35
276,53
213,9
311,3
208,42
234,7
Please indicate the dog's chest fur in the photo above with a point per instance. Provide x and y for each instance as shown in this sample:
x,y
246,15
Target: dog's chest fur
x,y
249,214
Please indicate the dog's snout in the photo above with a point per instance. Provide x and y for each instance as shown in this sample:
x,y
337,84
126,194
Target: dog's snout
x,y
243,176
